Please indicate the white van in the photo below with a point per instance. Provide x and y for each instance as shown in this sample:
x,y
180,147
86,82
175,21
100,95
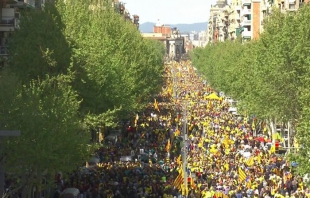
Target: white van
x,y
70,193
233,110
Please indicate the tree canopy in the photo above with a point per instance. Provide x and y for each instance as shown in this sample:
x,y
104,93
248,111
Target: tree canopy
x,y
73,65
269,76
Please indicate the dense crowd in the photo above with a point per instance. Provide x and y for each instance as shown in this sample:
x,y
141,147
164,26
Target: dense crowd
x,y
225,157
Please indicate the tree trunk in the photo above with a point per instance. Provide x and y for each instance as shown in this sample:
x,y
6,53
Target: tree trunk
x,y
24,192
273,127
289,136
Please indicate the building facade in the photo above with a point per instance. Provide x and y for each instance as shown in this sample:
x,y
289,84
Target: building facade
x,y
244,18
162,29
218,22
252,16
172,39
288,5
10,16
199,39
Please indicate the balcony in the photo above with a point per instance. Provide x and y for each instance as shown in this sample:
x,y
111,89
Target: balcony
x,y
11,1
292,7
246,11
238,8
246,2
220,24
246,34
3,50
8,20
237,17
246,22
7,25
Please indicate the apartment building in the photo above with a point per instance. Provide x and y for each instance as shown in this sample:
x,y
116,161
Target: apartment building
x,y
10,17
173,40
9,22
252,14
288,5
235,16
244,18
165,30
218,21
198,39
193,36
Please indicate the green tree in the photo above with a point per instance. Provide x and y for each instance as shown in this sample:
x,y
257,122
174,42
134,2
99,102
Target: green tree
x,y
52,135
75,65
269,76
116,65
257,71
299,56
40,31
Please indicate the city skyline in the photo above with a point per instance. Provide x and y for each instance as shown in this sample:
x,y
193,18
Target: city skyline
x,y
185,12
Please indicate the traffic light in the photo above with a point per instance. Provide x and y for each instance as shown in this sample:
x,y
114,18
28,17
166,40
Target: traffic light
x,y
189,183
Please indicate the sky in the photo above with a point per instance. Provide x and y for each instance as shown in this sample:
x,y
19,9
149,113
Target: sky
x,y
170,11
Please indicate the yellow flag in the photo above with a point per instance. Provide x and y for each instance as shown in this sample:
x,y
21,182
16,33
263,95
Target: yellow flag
x,y
179,160
156,105
168,146
253,125
272,149
249,184
250,161
259,159
177,133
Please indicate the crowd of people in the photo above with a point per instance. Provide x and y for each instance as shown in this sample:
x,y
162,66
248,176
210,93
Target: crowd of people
x,y
225,158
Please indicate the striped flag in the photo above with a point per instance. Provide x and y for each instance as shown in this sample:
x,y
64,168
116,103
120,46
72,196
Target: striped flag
x,y
241,174
179,180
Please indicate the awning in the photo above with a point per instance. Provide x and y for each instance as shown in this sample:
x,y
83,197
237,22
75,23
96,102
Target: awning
x,y
213,96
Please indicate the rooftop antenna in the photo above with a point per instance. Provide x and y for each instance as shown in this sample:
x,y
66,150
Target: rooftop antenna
x,y
158,23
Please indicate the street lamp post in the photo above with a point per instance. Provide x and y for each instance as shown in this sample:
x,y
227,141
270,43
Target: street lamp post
x,y
2,170
184,156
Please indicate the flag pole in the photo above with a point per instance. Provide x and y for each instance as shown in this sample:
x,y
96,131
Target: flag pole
x,y
184,156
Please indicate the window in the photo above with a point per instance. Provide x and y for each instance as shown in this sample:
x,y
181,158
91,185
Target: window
x,y
292,6
264,13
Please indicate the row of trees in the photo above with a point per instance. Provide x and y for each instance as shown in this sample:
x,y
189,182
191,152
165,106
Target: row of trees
x,y
268,76
75,65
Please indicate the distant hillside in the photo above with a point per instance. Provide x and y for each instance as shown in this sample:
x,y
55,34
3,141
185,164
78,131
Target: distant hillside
x,y
148,27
